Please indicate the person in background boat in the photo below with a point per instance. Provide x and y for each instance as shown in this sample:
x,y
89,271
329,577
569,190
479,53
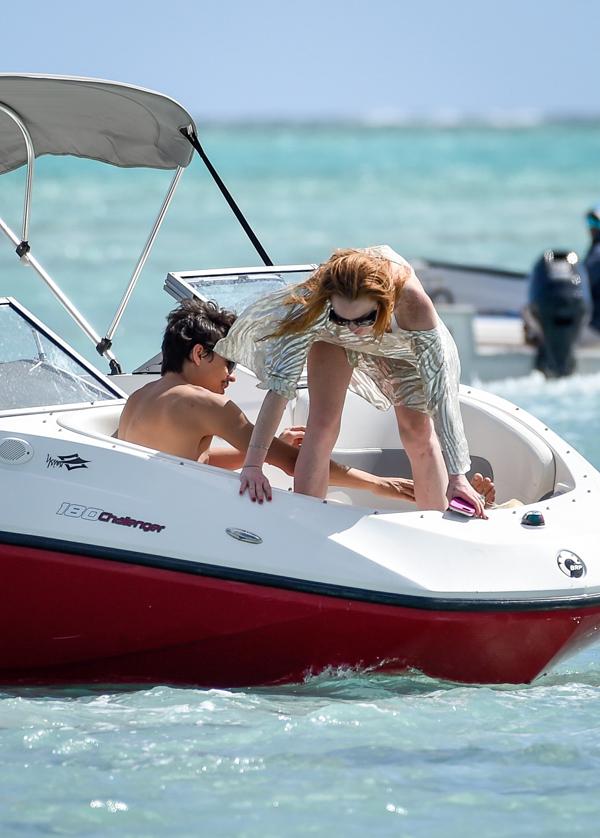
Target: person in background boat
x,y
361,321
182,411
592,263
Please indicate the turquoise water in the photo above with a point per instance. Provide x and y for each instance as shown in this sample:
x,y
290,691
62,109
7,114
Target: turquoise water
x,y
339,755
345,753
477,195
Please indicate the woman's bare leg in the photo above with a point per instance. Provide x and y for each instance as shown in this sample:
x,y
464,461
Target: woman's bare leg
x,y
329,374
425,455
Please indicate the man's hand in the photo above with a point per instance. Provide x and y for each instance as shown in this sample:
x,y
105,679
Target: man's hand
x,y
397,488
293,436
459,487
253,479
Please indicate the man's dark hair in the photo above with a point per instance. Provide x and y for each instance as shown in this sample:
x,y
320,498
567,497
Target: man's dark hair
x,y
192,322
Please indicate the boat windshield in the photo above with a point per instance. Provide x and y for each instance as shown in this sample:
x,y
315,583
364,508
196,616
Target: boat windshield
x,y
36,371
235,288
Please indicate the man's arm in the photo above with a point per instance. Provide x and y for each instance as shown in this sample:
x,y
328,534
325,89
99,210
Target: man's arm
x,y
230,423
231,458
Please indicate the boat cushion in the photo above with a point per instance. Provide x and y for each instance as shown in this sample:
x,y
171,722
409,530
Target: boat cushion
x,y
393,462
94,421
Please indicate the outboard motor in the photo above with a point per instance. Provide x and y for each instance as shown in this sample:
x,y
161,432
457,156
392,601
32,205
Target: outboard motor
x,y
559,307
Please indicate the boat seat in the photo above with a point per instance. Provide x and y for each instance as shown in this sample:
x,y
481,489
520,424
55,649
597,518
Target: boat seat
x,y
519,461
393,462
385,462
524,464
94,421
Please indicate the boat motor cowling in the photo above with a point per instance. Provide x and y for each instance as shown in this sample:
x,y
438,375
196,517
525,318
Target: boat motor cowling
x,y
592,263
559,307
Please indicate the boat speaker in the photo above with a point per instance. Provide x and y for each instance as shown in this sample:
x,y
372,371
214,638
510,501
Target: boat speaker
x,y
15,451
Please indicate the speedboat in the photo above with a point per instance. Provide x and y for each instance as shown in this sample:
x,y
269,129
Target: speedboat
x,y
122,564
548,309
489,291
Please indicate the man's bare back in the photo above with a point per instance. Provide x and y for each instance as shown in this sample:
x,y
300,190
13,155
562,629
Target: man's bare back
x,y
170,416
180,418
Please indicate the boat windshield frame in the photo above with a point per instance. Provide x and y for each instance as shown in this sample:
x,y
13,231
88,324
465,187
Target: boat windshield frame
x,y
41,329
183,285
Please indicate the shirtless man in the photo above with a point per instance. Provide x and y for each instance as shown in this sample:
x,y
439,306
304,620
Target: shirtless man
x,y
181,412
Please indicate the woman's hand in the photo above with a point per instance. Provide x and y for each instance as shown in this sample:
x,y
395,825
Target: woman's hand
x,y
397,488
268,419
459,487
253,479
294,435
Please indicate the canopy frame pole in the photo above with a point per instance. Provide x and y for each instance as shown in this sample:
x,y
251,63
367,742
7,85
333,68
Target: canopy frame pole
x,y
192,138
105,344
23,245
23,248
29,259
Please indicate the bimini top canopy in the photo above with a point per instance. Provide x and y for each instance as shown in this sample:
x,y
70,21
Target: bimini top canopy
x,y
107,121
104,120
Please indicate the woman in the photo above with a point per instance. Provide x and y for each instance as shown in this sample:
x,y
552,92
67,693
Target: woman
x,y
363,321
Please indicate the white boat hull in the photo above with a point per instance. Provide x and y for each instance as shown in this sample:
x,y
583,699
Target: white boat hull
x,y
140,567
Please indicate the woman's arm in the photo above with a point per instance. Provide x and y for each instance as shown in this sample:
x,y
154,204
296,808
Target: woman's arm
x,y
252,477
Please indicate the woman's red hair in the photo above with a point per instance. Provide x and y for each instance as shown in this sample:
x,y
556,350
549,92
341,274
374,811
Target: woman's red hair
x,y
350,274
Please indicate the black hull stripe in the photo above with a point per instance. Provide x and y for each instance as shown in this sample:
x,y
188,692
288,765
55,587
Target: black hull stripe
x,y
307,586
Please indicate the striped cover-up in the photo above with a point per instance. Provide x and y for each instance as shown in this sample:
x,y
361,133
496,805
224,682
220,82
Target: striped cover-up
x,y
417,369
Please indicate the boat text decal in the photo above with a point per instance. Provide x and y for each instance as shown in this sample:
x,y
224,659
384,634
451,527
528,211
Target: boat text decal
x,y
92,513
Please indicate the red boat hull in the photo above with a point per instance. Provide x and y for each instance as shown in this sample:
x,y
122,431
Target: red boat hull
x,y
68,618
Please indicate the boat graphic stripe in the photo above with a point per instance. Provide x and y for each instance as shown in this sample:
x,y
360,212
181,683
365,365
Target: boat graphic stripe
x,y
310,586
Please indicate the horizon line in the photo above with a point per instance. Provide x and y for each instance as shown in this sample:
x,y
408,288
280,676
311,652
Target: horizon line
x,y
517,118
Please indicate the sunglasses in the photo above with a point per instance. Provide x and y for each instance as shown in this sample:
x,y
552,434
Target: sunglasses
x,y
231,365
364,320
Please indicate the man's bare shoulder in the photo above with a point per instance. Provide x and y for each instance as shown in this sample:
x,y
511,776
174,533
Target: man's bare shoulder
x,y
414,310
181,398
194,397
197,408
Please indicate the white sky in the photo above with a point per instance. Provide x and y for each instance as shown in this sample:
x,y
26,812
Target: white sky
x,y
323,58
